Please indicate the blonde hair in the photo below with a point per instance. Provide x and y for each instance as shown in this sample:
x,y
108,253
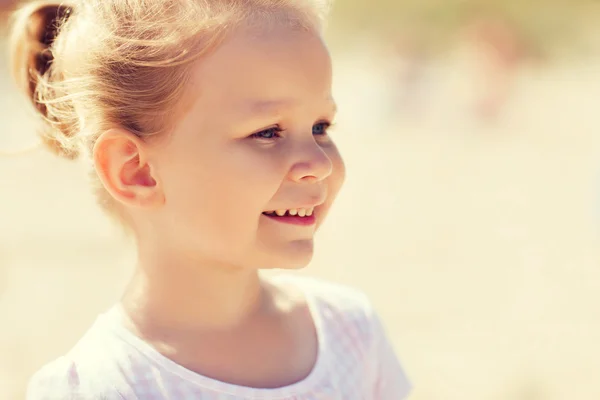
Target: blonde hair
x,y
90,65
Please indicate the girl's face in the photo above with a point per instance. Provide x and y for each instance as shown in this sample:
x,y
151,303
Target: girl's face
x,y
253,140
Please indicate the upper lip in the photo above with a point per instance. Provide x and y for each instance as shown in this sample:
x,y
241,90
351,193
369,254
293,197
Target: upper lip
x,y
306,207
313,200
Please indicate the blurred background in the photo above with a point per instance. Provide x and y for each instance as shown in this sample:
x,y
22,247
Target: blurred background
x,y
470,214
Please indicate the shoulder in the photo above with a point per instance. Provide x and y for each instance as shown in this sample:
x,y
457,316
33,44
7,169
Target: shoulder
x,y
359,337
336,297
341,307
56,379
91,370
64,379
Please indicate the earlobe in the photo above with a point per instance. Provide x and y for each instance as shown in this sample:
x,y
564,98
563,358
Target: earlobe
x,y
121,162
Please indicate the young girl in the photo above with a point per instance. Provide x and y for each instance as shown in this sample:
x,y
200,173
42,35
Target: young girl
x,y
205,123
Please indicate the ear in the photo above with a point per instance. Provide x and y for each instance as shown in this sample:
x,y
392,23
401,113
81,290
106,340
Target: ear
x,y
121,161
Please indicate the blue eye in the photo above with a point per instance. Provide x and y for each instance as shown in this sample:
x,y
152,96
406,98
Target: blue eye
x,y
320,128
268,134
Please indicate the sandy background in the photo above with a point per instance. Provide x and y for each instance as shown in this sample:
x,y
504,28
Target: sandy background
x,y
477,242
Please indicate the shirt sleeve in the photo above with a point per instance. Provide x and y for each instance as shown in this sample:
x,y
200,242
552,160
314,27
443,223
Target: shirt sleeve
x,y
390,379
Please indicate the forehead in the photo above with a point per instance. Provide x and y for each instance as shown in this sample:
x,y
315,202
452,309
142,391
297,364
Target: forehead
x,y
264,66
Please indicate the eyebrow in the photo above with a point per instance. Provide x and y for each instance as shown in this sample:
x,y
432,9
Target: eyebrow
x,y
275,106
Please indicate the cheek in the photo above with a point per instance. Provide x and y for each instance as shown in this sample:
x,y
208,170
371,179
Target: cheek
x,y
338,172
220,191
335,182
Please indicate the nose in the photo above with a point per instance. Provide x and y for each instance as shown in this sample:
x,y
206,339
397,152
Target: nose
x,y
312,165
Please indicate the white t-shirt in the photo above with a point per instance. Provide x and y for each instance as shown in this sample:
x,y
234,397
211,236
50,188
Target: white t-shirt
x,y
355,361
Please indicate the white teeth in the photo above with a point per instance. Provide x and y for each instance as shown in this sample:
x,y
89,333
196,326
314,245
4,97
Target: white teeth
x,y
300,212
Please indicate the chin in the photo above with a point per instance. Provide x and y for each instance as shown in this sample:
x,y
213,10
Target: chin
x,y
294,255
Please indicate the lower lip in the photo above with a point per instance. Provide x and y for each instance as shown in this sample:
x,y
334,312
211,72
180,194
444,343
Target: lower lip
x,y
294,220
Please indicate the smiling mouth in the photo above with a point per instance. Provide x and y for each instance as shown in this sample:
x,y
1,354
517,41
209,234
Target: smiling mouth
x,y
294,212
301,216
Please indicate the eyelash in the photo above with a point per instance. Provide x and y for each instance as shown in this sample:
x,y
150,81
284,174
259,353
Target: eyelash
x,y
277,130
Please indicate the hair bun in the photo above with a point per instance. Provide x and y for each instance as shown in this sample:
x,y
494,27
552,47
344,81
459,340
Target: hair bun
x,y
35,28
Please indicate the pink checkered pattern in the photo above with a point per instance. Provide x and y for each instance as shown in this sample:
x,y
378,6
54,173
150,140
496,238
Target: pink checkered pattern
x,y
355,361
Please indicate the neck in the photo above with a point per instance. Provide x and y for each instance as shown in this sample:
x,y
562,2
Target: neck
x,y
191,296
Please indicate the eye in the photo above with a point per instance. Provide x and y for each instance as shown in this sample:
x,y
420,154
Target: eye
x,y
268,134
320,128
